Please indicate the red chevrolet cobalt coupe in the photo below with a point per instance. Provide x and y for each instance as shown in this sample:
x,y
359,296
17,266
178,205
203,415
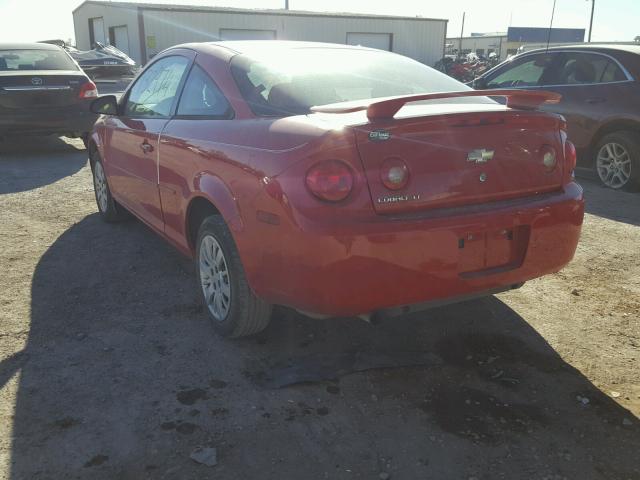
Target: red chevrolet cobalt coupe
x,y
336,180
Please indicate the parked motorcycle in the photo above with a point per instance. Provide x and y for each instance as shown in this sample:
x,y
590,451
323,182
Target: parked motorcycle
x,y
466,68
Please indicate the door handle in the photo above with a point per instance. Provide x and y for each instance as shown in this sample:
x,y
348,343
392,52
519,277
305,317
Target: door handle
x,y
593,101
146,147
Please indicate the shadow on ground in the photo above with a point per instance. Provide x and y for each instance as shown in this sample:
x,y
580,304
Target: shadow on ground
x,y
615,205
50,159
123,378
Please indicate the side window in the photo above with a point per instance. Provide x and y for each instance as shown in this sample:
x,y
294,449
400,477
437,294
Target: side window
x,y
154,92
201,97
581,69
526,72
613,73
588,68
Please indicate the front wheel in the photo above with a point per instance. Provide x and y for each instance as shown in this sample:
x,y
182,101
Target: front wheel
x,y
235,311
618,161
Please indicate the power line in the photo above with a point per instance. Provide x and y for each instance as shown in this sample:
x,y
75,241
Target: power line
x,y
553,14
593,9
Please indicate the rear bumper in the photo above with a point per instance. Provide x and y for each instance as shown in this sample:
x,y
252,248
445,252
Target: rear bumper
x,y
395,263
71,119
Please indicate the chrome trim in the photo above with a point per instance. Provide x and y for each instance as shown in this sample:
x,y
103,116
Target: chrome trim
x,y
572,85
481,155
36,88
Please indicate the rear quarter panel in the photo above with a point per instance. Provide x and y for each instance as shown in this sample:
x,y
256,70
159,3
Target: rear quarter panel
x,y
231,163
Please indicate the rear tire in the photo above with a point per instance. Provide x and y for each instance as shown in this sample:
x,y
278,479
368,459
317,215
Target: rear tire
x,y
617,161
235,311
110,210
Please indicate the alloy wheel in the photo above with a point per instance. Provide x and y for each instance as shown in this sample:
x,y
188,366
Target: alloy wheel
x,y
214,278
614,165
100,185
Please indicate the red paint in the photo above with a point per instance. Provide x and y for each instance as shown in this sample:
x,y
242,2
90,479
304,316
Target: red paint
x,y
444,233
385,109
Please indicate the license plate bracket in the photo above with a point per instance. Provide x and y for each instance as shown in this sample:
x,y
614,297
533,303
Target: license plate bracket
x,y
483,252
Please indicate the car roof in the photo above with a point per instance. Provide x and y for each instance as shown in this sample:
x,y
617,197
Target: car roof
x,y
256,47
246,46
28,46
603,47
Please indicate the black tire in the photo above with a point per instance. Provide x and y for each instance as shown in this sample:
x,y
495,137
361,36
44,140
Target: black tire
x,y
629,141
110,210
246,314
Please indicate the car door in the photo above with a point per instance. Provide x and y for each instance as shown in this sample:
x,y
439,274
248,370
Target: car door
x,y
132,163
188,145
592,85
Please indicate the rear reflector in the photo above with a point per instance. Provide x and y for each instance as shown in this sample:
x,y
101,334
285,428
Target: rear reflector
x,y
571,156
88,90
331,180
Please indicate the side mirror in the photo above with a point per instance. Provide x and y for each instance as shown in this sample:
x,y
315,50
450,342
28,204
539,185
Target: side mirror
x,y
480,83
107,105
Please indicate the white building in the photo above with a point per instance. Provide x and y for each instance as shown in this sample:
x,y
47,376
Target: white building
x,y
143,29
480,44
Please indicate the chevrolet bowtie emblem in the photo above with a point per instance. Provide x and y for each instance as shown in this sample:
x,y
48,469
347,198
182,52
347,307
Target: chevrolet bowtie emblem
x,y
480,156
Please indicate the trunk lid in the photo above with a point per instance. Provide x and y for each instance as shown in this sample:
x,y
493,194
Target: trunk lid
x,y
39,90
471,154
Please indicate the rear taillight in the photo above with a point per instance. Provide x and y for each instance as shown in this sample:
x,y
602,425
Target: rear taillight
x,y
570,156
88,90
331,180
394,174
549,158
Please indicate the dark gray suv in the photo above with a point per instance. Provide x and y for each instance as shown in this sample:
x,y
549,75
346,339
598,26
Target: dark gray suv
x,y
600,100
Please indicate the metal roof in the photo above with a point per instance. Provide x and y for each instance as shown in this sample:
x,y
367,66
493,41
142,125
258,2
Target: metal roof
x,y
483,37
206,9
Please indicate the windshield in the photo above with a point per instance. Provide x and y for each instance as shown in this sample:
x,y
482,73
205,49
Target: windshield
x,y
290,82
35,60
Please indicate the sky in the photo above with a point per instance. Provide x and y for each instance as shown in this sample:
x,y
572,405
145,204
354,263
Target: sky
x,y
615,20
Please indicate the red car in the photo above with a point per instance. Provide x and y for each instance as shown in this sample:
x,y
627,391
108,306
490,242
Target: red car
x,y
336,180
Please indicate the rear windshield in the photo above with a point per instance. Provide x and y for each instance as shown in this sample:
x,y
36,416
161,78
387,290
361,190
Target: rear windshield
x,y
35,60
290,82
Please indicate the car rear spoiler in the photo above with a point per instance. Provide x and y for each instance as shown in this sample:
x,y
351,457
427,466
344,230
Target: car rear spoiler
x,y
386,108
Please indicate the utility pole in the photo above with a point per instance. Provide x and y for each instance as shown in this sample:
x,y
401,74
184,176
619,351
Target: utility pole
x,y
593,9
464,14
286,4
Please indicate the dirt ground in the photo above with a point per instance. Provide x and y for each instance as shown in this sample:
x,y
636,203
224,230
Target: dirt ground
x,y
109,369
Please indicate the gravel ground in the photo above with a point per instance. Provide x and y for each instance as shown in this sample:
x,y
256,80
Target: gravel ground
x,y
109,369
